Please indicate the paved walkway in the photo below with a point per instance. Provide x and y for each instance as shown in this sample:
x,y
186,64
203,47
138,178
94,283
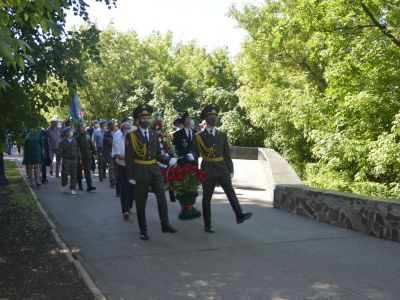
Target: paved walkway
x,y
275,255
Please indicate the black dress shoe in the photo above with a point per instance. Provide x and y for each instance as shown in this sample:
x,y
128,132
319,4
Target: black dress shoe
x,y
144,236
209,229
168,228
91,188
243,217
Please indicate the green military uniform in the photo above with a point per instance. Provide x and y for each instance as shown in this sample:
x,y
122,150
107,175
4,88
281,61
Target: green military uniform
x,y
212,145
86,148
141,156
70,155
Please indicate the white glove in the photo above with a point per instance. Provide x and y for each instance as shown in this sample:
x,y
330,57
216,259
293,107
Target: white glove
x,y
132,181
190,156
173,161
161,165
232,175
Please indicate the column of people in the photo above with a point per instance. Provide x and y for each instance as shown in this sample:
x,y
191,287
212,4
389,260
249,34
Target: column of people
x,y
130,150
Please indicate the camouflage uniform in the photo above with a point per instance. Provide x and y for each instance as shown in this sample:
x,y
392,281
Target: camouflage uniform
x,y
69,153
86,148
107,148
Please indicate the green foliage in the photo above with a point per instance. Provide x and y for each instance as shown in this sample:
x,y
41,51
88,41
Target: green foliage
x,y
321,79
36,52
171,77
25,24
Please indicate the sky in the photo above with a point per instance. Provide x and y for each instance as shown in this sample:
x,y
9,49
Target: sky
x,y
202,20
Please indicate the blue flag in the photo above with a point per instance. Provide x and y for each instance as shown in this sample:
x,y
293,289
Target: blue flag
x,y
75,108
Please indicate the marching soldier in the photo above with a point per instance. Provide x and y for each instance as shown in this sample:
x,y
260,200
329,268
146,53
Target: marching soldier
x,y
177,126
68,151
86,148
212,145
183,140
142,151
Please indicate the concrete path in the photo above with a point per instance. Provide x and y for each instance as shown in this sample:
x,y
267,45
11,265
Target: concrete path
x,y
275,255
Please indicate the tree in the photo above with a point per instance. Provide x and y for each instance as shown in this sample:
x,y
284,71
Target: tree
x,y
321,78
34,47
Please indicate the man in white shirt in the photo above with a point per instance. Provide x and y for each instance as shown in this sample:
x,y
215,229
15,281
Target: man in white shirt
x,y
118,153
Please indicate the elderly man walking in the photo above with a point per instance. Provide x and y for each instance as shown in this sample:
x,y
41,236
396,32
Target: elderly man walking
x,y
53,133
118,153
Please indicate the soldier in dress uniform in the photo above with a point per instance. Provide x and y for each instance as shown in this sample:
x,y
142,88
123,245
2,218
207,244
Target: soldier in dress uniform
x,y
142,151
183,140
212,145
87,150
177,126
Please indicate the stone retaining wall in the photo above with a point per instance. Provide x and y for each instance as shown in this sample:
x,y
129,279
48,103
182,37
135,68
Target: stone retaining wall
x,y
352,211
364,214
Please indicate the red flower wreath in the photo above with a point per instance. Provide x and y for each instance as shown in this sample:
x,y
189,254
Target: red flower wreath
x,y
183,179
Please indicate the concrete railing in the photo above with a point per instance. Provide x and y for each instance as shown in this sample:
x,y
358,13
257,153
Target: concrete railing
x,y
275,167
364,214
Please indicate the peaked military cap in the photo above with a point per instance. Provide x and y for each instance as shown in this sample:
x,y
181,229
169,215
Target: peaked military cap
x,y
102,121
142,110
209,109
177,121
184,116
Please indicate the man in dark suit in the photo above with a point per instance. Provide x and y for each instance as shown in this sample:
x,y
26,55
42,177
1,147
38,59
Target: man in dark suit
x,y
142,151
177,126
212,145
183,140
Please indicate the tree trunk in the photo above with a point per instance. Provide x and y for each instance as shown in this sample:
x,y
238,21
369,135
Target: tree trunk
x,y
3,178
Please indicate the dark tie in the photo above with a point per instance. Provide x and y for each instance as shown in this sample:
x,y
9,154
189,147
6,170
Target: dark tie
x,y
145,136
190,136
212,132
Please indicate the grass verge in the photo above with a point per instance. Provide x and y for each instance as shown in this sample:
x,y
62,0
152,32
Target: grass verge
x,y
31,263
